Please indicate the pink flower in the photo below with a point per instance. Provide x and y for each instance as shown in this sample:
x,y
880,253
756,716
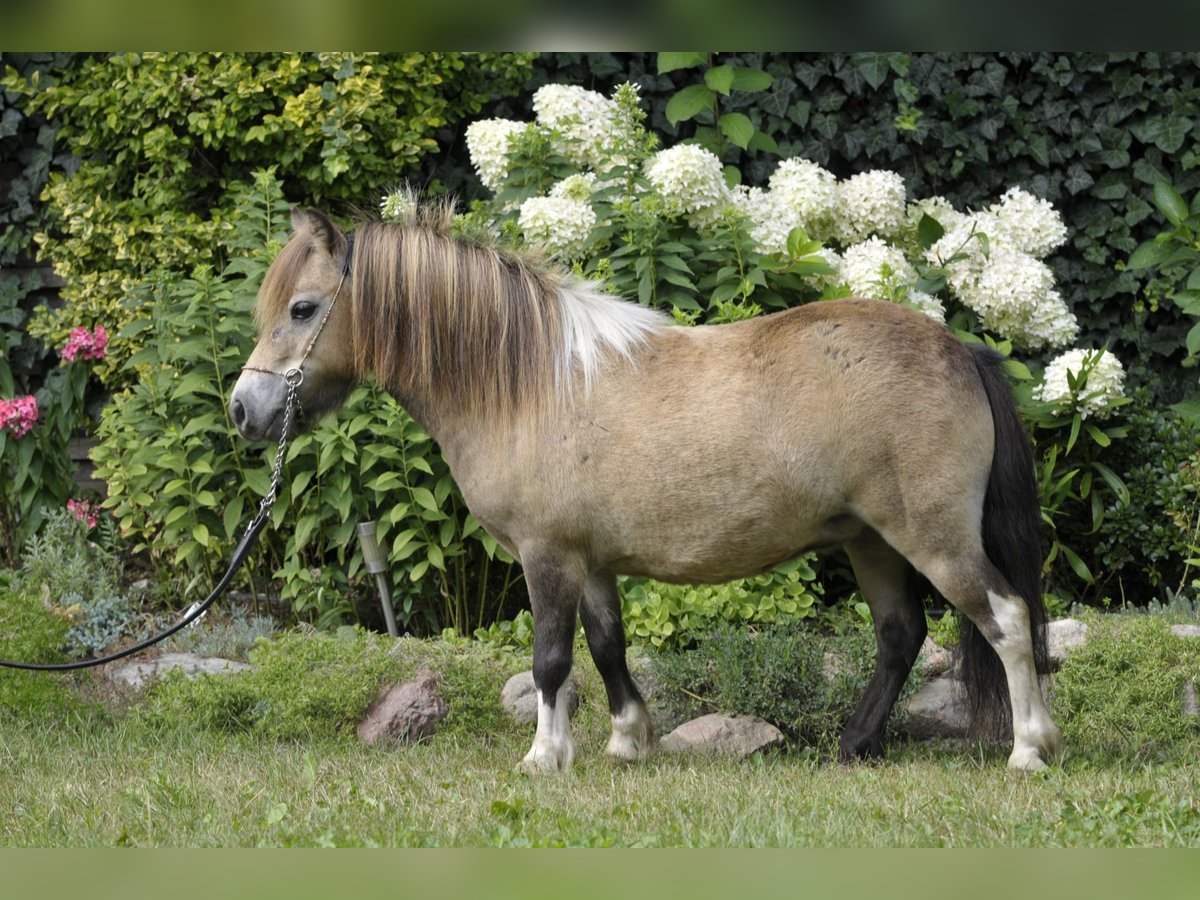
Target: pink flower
x,y
18,414
88,344
84,511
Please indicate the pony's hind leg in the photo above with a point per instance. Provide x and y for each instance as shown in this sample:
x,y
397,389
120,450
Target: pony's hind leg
x,y
632,734
886,581
978,588
554,593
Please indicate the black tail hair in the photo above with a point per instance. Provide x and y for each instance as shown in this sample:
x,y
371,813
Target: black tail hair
x,y
1012,540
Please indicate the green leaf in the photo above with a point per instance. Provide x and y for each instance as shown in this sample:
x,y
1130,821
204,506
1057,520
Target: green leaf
x,y
1193,340
1169,203
737,127
424,497
751,80
670,62
1147,255
1078,566
929,231
691,101
719,78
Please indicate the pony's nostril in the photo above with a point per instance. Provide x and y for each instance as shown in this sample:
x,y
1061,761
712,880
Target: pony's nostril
x,y
238,411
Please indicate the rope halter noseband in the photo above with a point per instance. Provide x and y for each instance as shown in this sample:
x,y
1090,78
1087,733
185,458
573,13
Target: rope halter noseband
x,y
293,378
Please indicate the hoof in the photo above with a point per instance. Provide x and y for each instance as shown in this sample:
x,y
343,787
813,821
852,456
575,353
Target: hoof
x,y
632,736
546,757
1026,759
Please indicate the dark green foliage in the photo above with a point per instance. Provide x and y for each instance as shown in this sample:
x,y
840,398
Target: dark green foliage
x,y
804,682
1140,548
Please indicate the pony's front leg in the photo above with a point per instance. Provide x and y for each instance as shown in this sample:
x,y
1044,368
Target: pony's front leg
x,y
554,593
632,733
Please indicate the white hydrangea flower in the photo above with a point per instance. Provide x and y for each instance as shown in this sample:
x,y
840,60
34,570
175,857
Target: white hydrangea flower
x,y
586,119
1014,294
397,205
808,192
1028,223
488,142
559,224
575,187
690,179
928,304
771,218
1105,382
962,239
938,208
871,268
870,203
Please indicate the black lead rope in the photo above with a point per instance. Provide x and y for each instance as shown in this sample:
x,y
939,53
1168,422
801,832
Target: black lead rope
x,y
239,556
293,377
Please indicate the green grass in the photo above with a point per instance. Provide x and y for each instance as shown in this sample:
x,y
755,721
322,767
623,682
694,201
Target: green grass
x,y
269,758
91,783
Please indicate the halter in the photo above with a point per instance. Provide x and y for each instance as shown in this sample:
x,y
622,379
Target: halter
x,y
294,377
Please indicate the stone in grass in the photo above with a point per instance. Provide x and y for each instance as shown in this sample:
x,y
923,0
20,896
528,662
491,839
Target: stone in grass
x,y
736,736
1063,636
1186,631
405,712
938,709
137,674
519,697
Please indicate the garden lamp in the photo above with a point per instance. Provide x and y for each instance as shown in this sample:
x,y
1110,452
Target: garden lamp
x,y
376,564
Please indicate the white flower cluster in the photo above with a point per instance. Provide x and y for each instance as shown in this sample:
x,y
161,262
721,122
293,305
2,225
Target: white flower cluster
x,y
870,203
586,122
1104,382
575,187
1009,285
488,143
876,269
560,224
690,180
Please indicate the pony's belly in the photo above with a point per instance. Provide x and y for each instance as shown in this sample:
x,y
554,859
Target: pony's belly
x,y
721,555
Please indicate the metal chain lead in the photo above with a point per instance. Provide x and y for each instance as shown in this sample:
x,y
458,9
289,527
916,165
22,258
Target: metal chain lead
x,y
293,378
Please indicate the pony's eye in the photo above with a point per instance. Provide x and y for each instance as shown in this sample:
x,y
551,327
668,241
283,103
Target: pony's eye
x,y
302,310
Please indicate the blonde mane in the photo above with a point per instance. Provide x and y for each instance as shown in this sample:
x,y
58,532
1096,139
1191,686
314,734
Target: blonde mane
x,y
465,323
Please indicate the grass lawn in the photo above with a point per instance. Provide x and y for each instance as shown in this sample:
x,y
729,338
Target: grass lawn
x,y
96,780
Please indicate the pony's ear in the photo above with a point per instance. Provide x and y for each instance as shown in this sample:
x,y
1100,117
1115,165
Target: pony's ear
x,y
321,228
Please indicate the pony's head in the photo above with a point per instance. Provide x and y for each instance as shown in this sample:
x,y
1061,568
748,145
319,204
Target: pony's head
x,y
302,327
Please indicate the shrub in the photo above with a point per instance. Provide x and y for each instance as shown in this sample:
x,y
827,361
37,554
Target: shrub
x,y
1121,691
303,686
182,484
30,632
670,614
802,681
160,138
667,228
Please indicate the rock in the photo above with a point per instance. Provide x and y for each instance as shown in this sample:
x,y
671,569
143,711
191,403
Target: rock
x,y
137,674
938,709
1063,636
519,697
1190,706
405,712
736,736
934,659
1186,631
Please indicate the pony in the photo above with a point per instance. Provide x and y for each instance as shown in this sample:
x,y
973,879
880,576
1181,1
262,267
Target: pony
x,y
594,438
